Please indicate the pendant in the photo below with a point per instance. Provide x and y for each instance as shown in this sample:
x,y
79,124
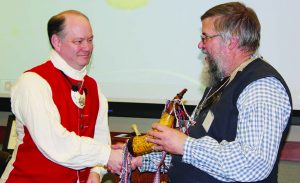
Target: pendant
x,y
78,99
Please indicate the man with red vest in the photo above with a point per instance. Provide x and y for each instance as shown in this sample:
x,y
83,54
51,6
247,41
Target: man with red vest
x,y
61,115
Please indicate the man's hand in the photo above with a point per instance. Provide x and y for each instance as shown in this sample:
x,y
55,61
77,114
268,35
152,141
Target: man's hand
x,y
114,163
118,145
136,162
93,178
167,139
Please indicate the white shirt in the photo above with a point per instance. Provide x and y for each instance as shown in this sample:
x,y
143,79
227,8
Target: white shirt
x,y
33,106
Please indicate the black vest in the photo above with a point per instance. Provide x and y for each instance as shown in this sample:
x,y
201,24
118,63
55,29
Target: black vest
x,y
224,125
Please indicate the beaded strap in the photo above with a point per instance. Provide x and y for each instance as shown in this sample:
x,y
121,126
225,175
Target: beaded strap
x,y
126,167
161,163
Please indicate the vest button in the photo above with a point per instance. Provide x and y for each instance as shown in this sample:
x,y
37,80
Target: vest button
x,y
81,126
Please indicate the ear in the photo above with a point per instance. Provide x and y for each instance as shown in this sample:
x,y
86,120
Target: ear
x,y
233,42
56,42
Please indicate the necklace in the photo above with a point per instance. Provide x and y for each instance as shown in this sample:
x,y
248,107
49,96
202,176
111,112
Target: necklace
x,y
77,94
224,82
208,96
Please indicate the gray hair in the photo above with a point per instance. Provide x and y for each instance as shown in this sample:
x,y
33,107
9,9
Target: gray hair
x,y
235,19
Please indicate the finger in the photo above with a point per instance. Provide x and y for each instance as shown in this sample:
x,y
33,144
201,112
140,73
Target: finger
x,y
158,148
117,145
159,127
149,131
154,141
118,170
155,134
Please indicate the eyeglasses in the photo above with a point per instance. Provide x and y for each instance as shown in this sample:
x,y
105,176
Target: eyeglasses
x,y
205,37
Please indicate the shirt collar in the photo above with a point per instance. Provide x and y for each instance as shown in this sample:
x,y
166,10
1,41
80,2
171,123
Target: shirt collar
x,y
243,65
62,65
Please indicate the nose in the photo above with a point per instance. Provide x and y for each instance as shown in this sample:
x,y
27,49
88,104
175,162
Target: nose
x,y
87,45
201,45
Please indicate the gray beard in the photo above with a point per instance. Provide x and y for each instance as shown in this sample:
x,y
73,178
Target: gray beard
x,y
211,73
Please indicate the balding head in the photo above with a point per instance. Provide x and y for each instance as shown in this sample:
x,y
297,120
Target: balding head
x,y
56,24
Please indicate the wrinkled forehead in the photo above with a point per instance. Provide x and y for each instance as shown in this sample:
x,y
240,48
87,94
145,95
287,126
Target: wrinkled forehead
x,y
208,25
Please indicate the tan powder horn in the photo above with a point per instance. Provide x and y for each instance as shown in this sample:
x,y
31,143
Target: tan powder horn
x,y
138,145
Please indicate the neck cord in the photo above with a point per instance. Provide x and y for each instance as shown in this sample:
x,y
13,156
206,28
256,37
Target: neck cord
x,y
208,96
77,95
73,87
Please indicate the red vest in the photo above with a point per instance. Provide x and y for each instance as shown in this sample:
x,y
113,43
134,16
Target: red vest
x,y
31,165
